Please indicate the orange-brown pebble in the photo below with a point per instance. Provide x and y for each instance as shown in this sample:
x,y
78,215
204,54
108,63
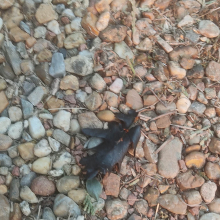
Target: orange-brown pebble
x,y
149,15
193,148
30,42
195,159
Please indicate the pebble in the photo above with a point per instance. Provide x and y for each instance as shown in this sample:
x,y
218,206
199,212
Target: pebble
x,y
111,185
14,190
62,159
5,142
175,70
111,99
62,120
26,150
192,197
168,159
149,149
81,95
48,214
207,191
76,24
208,29
42,148
214,206
5,208
15,130
69,82
3,84
42,165
116,209
45,13
67,183
212,71
195,159
186,21
189,181
74,41
79,65
27,179
212,170
54,27
106,115
197,108
123,50
173,203
103,21
145,45
36,128
57,67
42,186
15,113
25,208
97,82
40,32
55,145
133,100
36,96
63,206
4,101
141,207
77,195
210,216
5,160
183,104
27,195
214,146
61,137
152,196
74,126
116,86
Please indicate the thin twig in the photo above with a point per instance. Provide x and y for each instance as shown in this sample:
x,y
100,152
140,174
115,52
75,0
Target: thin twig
x,y
164,144
184,127
38,214
165,114
144,134
158,97
64,108
130,64
199,131
156,211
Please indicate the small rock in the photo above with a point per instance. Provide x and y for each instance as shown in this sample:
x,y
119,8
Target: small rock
x,y
69,82
145,28
62,159
79,65
27,195
103,21
183,104
74,126
152,196
141,207
175,70
36,129
214,206
111,99
26,150
123,50
212,170
36,96
62,120
195,159
214,146
145,45
4,101
186,21
42,186
16,213
93,101
212,71
89,120
189,181
210,216
77,195
173,203
106,115
133,100
197,108
15,113
5,207
14,190
6,4
163,122
116,209
61,137
74,41
42,148
76,24
18,35
97,82
42,165
67,183
208,29
57,67
111,184
40,32
149,149
27,179
64,207
55,145
3,84
76,170
15,130
25,208
5,160
116,86
207,191
45,13
113,33
5,142
54,27
192,197
161,109
48,214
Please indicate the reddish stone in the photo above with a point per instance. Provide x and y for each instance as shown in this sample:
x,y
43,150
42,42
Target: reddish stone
x,y
132,199
111,184
16,171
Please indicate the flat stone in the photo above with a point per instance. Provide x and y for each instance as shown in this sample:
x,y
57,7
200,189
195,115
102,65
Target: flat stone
x,y
111,99
26,150
48,214
42,148
97,82
54,104
152,196
42,165
4,208
27,195
189,181
14,194
212,170
15,130
4,101
210,216
54,144
192,197
62,159
212,71
93,101
133,100
27,179
5,160
208,29
69,82
62,120
15,113
42,71
5,142
61,137
89,120
214,206
25,208
111,184
27,109
173,203
149,149
74,40
207,191
175,70
116,86
123,50
195,159
161,109
197,108
77,195
45,13
67,183
79,65
63,206
18,35
74,126
36,96
36,128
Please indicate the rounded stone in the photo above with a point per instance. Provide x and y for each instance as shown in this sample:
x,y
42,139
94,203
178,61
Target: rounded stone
x,y
67,183
42,148
208,29
195,159
106,115
207,191
77,195
15,113
4,124
15,130
42,165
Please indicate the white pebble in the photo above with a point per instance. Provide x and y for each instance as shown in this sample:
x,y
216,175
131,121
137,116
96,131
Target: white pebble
x,y
42,148
25,208
15,113
4,124
36,129
54,27
62,120
54,144
15,130
116,86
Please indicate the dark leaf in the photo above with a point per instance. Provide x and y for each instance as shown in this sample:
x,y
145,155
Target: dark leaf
x,y
94,188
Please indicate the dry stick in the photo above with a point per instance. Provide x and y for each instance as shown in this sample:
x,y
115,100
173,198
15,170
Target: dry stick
x,y
164,144
160,116
38,214
158,97
144,134
184,127
156,211
64,108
